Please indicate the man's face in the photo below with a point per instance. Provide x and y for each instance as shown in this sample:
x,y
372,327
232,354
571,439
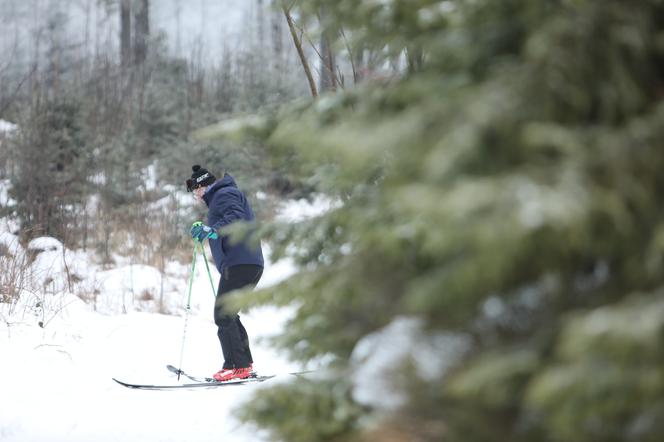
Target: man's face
x,y
198,193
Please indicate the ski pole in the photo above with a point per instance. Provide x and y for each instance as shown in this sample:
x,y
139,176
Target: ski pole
x,y
207,267
197,242
186,315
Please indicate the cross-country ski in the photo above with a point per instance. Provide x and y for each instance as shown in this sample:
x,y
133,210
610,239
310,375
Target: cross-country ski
x,y
204,384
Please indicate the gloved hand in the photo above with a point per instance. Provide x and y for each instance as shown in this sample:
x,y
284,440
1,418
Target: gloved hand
x,y
200,232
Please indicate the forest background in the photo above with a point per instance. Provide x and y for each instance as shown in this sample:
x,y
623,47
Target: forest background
x,y
496,168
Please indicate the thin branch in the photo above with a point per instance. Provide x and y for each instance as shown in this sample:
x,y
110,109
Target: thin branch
x,y
300,51
320,56
311,43
350,55
14,94
340,78
11,58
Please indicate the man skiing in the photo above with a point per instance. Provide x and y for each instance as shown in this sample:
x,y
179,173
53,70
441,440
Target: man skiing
x,y
239,263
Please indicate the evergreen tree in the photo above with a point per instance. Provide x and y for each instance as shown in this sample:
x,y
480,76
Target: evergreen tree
x,y
500,216
51,168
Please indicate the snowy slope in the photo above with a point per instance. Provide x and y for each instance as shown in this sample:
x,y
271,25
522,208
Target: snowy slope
x,y
76,399
55,380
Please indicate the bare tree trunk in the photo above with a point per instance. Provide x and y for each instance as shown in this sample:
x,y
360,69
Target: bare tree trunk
x,y
415,59
260,20
277,45
86,48
356,58
141,31
125,32
300,51
178,27
224,82
328,76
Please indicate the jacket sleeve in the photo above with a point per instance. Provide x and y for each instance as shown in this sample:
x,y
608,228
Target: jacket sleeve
x,y
227,208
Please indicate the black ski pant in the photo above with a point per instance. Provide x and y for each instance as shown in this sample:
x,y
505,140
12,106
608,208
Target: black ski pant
x,y
232,334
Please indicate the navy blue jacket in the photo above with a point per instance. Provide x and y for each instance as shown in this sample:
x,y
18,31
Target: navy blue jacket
x,y
226,205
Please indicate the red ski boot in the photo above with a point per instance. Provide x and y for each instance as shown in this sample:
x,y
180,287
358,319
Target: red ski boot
x,y
236,373
222,373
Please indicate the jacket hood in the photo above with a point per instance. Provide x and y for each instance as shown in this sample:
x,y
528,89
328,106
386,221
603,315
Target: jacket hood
x,y
225,181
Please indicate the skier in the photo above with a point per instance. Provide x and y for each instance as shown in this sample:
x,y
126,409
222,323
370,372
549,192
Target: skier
x,y
239,263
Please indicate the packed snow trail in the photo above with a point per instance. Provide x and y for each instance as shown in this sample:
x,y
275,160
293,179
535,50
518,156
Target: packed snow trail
x,y
64,391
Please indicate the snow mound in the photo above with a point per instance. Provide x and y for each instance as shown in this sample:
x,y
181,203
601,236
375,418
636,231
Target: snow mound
x,y
7,127
45,243
128,288
56,269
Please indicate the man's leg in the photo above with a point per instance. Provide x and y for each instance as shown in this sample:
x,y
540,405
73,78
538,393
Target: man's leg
x,y
243,332
232,334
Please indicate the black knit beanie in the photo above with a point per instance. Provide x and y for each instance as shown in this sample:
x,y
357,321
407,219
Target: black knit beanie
x,y
200,178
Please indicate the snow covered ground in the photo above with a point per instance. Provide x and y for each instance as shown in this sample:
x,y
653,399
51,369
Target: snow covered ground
x,y
7,127
58,353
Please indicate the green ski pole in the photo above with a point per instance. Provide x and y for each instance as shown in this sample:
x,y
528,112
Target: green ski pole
x,y
213,235
207,267
186,315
